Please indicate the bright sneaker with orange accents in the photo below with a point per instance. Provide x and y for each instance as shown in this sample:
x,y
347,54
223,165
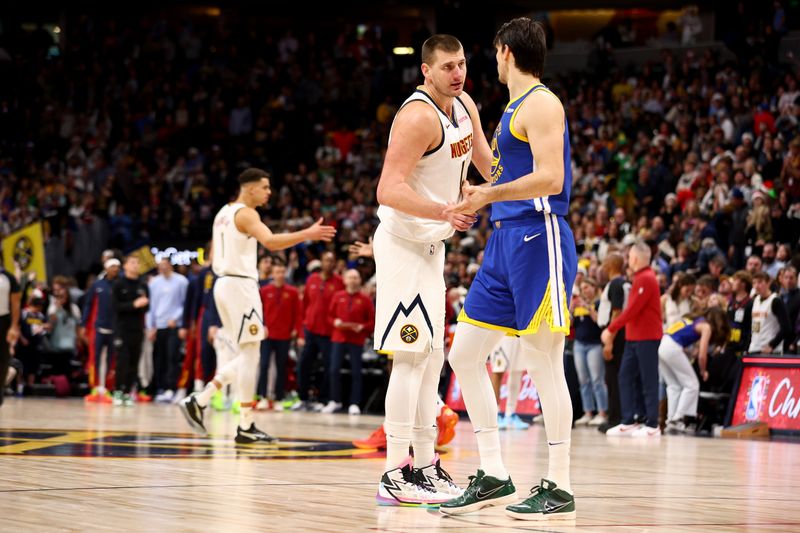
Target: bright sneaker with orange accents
x,y
376,441
92,397
446,423
143,397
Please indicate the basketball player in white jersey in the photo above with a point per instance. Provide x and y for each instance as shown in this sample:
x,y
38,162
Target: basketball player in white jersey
x,y
429,152
771,329
238,230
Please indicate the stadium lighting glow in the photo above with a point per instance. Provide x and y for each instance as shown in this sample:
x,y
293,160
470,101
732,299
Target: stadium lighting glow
x,y
403,50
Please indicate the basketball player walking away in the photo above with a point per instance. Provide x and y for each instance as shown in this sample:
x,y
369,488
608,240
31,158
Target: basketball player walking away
x,y
237,231
429,152
521,288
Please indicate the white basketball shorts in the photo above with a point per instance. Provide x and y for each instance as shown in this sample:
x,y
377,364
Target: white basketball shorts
x,y
410,307
240,309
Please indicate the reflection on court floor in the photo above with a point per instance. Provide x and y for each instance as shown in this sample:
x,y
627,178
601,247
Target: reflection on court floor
x,y
140,445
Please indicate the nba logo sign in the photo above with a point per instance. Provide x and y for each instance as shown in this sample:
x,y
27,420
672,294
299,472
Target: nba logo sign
x,y
758,390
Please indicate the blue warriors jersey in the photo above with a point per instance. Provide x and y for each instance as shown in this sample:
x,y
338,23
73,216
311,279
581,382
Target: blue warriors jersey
x,y
512,159
530,260
683,331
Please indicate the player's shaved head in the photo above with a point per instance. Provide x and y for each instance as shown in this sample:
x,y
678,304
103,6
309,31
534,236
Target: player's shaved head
x,y
440,41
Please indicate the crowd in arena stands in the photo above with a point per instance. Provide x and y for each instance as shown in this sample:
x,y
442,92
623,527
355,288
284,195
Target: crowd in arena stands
x,y
145,123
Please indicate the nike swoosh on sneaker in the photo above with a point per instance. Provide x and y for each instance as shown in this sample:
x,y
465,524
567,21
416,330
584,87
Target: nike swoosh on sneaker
x,y
483,495
554,508
528,239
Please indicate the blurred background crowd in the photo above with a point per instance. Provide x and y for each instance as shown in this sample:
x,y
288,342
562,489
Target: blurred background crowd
x,y
119,132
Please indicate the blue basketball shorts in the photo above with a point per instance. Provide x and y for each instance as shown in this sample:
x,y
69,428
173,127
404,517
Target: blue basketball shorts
x,y
527,274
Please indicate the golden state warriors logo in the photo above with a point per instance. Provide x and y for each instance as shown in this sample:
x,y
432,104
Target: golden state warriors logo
x,y
409,334
174,446
497,168
253,329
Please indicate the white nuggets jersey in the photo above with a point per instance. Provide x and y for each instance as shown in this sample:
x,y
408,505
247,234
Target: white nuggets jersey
x,y
765,324
235,254
437,176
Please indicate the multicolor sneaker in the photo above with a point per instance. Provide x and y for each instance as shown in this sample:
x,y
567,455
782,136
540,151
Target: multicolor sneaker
x,y
515,422
143,397
117,397
92,397
376,441
446,425
546,502
400,486
128,400
483,491
106,398
435,478
290,400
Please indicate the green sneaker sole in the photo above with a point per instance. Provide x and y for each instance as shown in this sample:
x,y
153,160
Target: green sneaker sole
x,y
477,506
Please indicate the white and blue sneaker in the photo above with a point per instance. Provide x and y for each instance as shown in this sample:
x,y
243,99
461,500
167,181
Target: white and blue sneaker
x,y
502,422
515,422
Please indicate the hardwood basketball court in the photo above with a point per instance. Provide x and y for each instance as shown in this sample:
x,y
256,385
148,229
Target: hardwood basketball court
x,y
69,466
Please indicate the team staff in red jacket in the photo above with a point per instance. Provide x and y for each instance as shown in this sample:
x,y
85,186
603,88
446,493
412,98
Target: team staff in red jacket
x,y
282,319
319,290
643,330
352,316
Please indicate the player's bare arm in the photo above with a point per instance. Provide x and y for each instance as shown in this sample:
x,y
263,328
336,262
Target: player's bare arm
x,y
545,132
248,222
416,130
481,151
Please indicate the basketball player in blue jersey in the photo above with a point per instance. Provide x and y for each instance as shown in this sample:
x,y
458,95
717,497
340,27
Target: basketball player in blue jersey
x,y
521,289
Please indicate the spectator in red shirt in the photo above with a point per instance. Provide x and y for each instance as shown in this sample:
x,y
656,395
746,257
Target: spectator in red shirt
x,y
317,327
353,318
763,120
643,330
282,318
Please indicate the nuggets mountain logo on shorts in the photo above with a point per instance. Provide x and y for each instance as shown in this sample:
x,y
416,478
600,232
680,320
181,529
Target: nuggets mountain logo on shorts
x,y
409,334
253,329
